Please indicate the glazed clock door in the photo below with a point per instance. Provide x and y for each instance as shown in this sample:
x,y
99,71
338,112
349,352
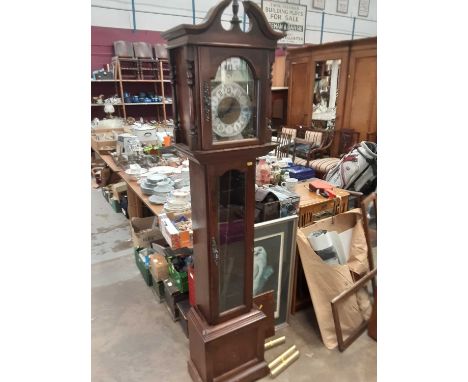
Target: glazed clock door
x,y
231,240
233,101
234,91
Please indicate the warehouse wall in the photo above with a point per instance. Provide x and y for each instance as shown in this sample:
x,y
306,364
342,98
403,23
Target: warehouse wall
x,y
160,15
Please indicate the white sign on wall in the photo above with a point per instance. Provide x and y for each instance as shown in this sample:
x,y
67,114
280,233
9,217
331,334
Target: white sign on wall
x,y
291,17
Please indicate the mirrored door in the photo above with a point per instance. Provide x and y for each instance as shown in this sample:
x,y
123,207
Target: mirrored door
x,y
326,92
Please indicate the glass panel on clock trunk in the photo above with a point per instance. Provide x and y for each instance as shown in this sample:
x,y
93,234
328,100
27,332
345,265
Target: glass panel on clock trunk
x,y
233,101
231,239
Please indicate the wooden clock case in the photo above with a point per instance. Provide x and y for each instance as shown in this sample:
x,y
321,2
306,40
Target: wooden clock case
x,y
225,344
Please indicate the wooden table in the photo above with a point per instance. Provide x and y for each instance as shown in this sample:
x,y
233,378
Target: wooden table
x,y
311,206
135,196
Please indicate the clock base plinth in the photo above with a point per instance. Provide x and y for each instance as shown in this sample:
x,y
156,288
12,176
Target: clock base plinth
x,y
227,352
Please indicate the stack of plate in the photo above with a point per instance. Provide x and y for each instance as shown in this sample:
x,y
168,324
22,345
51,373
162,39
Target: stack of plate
x,y
161,192
164,170
181,177
150,182
136,173
179,201
170,207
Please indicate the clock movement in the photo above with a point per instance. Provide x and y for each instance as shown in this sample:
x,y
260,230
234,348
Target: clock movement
x,y
221,81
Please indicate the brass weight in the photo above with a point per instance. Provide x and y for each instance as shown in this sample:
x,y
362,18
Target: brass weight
x,y
281,357
275,342
284,364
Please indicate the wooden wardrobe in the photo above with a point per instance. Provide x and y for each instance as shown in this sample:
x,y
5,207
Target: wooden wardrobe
x,y
356,84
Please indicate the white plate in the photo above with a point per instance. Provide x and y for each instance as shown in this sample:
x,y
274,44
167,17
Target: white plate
x,y
141,171
165,170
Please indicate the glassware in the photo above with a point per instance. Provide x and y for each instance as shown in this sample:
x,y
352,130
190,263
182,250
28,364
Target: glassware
x,y
263,172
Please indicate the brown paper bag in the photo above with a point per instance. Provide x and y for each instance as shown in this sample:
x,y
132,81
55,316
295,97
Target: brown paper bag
x,y
326,281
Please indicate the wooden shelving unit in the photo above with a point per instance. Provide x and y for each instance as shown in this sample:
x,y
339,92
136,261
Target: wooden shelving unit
x,y
159,85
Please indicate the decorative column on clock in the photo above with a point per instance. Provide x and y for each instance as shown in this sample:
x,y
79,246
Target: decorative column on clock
x,y
222,94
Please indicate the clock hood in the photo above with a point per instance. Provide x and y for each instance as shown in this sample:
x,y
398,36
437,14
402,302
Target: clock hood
x,y
211,32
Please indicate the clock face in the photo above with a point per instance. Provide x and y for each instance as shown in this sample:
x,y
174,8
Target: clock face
x,y
233,101
231,109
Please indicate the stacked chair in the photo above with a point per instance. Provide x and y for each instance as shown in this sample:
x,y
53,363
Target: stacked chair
x,y
138,60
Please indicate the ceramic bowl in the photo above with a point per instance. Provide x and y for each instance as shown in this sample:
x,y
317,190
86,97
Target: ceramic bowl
x,y
155,178
166,184
179,183
150,183
154,199
181,195
162,189
147,190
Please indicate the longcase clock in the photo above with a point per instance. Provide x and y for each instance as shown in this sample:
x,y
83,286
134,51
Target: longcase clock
x,y
221,82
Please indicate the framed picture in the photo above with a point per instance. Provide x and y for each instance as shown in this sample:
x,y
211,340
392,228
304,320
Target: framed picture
x,y
274,250
363,9
342,6
318,4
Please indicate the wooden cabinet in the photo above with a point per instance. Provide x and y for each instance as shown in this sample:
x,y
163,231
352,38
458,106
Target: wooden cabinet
x,y
334,86
360,113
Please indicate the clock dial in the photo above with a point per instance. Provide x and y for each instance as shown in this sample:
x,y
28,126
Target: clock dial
x,y
231,109
233,101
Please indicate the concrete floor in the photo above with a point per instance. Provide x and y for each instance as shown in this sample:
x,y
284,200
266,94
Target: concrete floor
x,y
135,340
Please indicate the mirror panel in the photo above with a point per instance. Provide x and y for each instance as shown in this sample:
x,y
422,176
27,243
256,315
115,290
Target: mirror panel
x,y
326,91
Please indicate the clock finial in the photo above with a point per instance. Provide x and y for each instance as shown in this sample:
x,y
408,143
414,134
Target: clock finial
x,y
235,9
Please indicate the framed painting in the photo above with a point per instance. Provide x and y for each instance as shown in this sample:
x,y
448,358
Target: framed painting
x,y
274,250
318,4
363,10
342,6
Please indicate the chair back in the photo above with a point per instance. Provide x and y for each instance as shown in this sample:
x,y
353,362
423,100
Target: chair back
x,y
314,137
160,51
123,49
143,50
285,140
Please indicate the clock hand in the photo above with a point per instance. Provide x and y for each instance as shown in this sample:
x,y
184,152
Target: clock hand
x,y
227,109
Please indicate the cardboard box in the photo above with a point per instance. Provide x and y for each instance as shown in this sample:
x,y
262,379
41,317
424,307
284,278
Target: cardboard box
x,y
174,237
118,188
101,130
145,231
159,267
104,142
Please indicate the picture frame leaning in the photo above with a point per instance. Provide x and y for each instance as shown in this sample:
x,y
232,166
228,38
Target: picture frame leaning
x,y
274,256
